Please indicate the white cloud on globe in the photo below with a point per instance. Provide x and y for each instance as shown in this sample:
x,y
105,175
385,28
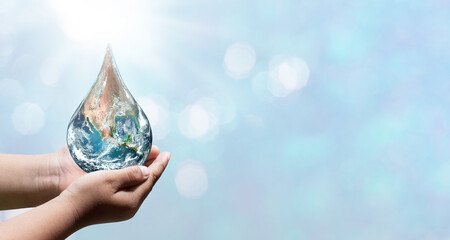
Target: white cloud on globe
x,y
28,118
287,75
239,60
191,179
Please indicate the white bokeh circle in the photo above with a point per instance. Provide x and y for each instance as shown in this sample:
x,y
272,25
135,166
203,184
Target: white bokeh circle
x,y
28,118
239,60
157,109
191,179
198,120
287,75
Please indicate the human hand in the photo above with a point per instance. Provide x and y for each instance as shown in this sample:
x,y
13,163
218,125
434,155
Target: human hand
x,y
67,171
97,197
114,195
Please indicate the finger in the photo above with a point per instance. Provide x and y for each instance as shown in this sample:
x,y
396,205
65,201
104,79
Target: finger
x,y
130,176
152,156
154,152
156,169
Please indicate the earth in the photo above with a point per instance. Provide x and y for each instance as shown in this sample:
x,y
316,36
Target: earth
x,y
109,130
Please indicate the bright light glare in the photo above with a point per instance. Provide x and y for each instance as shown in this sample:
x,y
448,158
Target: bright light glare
x,y
95,21
199,120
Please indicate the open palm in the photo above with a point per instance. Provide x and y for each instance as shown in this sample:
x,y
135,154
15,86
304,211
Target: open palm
x,y
69,171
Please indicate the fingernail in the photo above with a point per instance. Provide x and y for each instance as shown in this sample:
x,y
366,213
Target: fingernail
x,y
145,171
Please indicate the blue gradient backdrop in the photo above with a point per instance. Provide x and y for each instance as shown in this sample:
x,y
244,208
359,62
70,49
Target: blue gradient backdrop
x,y
360,152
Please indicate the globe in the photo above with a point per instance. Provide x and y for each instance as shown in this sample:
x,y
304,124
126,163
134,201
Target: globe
x,y
109,130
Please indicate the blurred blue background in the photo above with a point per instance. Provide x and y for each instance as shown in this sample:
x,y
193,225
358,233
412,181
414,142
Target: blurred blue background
x,y
285,119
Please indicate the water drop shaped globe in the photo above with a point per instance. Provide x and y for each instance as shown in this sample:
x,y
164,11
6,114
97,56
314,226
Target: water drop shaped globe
x,y
109,130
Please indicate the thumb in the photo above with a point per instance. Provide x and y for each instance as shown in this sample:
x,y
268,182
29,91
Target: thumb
x,y
131,176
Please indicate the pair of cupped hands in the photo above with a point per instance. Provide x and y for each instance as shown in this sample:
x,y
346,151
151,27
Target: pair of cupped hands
x,y
109,195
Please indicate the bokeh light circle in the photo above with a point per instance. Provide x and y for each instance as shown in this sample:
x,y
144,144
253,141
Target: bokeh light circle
x,y
239,60
287,75
198,121
191,179
157,109
28,118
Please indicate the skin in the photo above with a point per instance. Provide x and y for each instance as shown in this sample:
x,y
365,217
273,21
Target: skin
x,y
71,198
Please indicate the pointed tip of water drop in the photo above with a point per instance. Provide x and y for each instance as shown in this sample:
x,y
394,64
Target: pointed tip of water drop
x,y
109,58
108,54
109,67
108,48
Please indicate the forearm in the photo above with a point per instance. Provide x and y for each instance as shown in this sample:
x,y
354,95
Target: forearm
x,y
27,180
52,220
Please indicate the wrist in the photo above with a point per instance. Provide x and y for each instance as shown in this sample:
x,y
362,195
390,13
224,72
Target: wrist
x,y
27,180
53,220
64,169
78,206
48,176
70,203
